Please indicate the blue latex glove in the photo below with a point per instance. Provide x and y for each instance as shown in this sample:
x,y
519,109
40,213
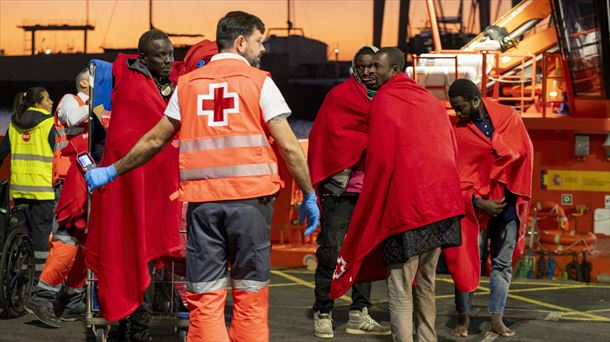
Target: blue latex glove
x,y
309,209
100,176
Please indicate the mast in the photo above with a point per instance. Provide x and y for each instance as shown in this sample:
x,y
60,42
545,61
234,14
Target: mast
x,y
150,13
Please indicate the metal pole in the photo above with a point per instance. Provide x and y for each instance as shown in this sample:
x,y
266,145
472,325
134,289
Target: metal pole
x,y
436,37
86,24
378,9
91,94
150,21
33,42
288,21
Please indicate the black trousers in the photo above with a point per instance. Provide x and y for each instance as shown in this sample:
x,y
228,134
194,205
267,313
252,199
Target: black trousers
x,y
135,327
336,214
40,220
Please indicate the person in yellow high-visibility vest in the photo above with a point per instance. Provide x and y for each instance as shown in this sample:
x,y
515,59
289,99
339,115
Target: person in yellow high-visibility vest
x,y
65,265
30,140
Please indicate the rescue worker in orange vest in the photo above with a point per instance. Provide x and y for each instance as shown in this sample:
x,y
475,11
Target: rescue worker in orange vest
x,y
226,113
71,124
66,257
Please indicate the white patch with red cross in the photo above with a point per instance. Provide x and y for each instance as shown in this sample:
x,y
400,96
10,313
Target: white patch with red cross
x,y
340,268
218,104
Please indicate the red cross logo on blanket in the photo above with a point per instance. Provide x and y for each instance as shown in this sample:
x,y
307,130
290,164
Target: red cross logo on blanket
x,y
218,104
340,268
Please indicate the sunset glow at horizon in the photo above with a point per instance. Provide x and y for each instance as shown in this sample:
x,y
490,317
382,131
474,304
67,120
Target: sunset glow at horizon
x,y
343,24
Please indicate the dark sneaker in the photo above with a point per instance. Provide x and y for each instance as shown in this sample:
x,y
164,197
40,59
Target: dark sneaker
x,y
44,313
74,307
72,316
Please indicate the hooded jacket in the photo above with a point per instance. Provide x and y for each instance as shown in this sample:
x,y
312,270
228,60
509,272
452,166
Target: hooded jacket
x,y
340,126
28,120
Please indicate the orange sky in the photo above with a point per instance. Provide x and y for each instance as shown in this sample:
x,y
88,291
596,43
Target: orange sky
x,y
343,23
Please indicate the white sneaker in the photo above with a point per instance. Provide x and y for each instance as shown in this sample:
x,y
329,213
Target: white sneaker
x,y
360,323
323,325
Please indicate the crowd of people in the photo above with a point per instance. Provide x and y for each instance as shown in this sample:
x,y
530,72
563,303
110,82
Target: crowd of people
x,y
392,184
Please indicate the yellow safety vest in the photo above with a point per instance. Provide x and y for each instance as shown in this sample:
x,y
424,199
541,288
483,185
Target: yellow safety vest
x,y
32,160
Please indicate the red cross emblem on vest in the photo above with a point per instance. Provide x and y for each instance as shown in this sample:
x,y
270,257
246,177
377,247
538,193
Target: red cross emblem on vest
x,y
218,104
26,136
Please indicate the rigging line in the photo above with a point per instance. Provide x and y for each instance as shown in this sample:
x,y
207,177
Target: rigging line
x,y
205,18
109,21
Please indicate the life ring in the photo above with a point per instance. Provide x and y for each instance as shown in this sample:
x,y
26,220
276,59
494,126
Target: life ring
x,y
560,237
561,249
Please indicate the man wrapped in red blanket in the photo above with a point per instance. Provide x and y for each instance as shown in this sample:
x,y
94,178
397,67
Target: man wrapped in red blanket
x,y
133,223
337,143
410,203
495,164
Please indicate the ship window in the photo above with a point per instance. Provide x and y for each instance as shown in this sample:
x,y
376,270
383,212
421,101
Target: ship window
x,y
582,40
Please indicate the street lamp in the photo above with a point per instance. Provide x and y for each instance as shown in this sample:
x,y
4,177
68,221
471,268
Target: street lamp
x,y
336,51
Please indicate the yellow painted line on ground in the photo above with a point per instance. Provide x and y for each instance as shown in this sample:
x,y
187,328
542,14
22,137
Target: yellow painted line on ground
x,y
444,296
445,280
295,271
549,288
549,284
580,319
283,284
590,316
588,311
560,308
303,282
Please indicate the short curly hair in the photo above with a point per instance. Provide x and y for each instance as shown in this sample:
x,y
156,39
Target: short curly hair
x,y
150,36
464,88
395,56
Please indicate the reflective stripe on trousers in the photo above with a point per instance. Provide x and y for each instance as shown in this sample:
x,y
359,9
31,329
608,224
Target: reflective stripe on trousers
x,y
244,226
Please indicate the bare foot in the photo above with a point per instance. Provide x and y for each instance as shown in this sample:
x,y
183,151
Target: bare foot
x,y
461,330
497,326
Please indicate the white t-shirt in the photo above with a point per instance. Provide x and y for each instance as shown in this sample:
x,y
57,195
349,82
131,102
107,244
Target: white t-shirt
x,y
271,100
69,112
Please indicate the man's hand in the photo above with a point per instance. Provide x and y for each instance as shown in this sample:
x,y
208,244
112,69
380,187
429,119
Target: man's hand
x,y
100,176
491,207
309,209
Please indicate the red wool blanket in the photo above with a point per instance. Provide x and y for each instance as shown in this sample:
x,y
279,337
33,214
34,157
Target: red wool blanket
x,y
339,134
411,178
486,167
132,219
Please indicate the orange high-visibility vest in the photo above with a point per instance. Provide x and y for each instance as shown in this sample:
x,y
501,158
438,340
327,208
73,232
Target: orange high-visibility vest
x,y
77,135
225,152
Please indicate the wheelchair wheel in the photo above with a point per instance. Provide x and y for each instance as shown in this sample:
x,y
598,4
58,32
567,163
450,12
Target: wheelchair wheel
x,y
16,271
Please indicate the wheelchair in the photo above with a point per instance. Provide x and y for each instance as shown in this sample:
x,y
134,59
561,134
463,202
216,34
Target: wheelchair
x,y
16,257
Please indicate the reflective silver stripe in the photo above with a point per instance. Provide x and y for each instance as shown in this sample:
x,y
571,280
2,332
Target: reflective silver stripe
x,y
208,286
49,287
249,285
35,157
61,144
31,188
228,171
223,142
71,131
67,239
73,290
41,255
